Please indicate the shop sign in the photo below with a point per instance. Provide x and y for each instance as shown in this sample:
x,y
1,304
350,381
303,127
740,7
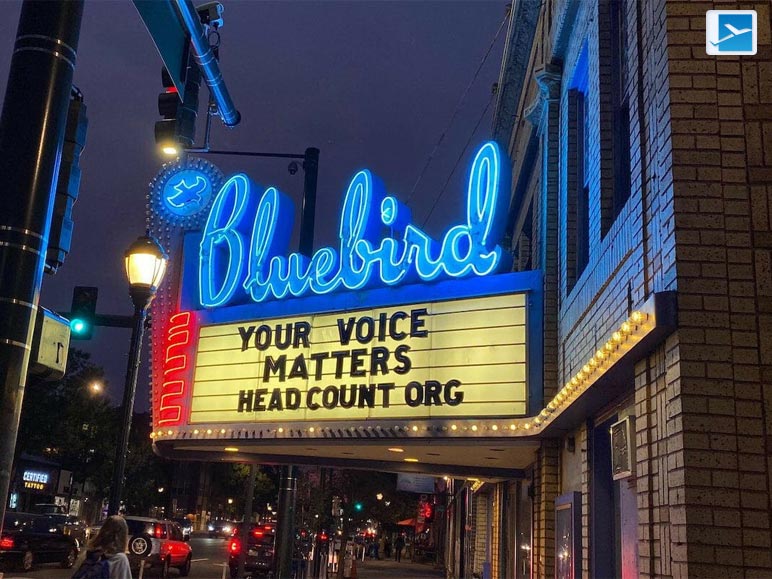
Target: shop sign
x,y
35,480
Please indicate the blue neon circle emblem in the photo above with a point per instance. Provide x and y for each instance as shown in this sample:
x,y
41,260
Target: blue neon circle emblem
x,y
187,192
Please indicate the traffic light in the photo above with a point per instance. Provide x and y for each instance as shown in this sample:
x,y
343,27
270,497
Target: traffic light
x,y
83,312
177,130
358,507
67,184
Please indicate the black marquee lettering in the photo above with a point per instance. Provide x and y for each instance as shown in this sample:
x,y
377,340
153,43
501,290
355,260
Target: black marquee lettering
x,y
245,334
357,361
413,394
386,388
416,323
395,317
330,397
432,391
400,354
259,402
366,396
344,331
299,369
378,358
245,400
275,402
302,330
365,329
263,337
453,398
272,366
318,358
310,404
292,399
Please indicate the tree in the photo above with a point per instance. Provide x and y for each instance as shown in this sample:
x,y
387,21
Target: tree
x,y
66,422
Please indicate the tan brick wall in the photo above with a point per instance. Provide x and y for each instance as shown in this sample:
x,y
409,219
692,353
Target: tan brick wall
x,y
721,119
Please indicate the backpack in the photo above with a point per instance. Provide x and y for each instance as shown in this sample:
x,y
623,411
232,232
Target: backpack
x,y
94,567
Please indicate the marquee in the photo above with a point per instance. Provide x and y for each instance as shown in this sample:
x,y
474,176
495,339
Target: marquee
x,y
388,327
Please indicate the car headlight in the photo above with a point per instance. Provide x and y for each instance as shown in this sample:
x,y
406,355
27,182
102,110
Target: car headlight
x,y
226,529
210,527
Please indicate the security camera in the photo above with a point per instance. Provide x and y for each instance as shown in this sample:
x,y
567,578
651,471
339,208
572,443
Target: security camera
x,y
293,167
211,14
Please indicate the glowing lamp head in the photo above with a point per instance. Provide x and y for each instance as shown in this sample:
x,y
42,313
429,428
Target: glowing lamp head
x,y
145,262
170,150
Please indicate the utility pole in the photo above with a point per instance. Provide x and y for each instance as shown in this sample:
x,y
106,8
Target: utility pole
x,y
32,126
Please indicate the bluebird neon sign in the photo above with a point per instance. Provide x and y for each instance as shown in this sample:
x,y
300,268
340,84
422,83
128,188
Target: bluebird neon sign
x,y
243,251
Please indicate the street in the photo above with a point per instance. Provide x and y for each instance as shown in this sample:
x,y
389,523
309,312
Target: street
x,y
209,557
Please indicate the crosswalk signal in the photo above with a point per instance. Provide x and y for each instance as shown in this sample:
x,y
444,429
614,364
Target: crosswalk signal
x,y
83,312
177,129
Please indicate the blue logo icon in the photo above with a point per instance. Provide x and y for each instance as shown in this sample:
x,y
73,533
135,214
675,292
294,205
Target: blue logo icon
x,y
187,192
731,32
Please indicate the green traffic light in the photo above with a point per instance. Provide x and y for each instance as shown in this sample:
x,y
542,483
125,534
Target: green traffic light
x,y
358,506
78,326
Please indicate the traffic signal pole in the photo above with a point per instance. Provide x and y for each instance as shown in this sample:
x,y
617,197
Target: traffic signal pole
x,y
32,126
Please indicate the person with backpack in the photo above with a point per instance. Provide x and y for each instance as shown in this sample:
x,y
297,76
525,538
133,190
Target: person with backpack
x,y
106,555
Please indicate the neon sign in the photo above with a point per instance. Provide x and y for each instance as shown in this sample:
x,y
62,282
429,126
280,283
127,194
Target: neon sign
x,y
187,193
241,261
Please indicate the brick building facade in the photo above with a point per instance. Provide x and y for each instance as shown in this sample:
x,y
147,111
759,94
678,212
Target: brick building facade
x,y
642,173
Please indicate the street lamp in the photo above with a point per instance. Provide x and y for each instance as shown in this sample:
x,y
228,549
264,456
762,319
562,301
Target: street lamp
x,y
96,387
145,267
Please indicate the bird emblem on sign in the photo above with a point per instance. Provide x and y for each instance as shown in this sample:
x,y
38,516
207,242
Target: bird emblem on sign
x,y
185,193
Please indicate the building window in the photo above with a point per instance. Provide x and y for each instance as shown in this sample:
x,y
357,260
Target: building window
x,y
620,96
578,175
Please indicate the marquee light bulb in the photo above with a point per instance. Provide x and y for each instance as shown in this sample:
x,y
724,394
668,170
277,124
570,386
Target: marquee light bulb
x,y
169,432
474,427
494,427
209,431
625,328
513,426
609,347
415,429
453,427
600,355
196,431
587,369
637,317
616,337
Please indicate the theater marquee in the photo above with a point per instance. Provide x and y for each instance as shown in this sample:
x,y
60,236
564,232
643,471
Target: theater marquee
x,y
391,330
458,358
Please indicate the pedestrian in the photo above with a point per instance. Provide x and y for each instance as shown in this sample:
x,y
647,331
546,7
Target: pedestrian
x,y
109,546
387,549
399,544
381,547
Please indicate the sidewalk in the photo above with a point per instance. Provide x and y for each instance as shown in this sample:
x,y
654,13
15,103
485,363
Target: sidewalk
x,y
387,568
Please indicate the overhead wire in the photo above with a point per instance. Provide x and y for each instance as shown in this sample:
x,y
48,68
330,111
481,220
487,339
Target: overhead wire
x,y
458,160
457,109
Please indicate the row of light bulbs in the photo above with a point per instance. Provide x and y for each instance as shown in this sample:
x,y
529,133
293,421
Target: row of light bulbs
x,y
606,355
582,380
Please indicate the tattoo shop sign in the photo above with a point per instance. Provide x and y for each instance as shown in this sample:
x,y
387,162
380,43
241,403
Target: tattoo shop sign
x,y
458,358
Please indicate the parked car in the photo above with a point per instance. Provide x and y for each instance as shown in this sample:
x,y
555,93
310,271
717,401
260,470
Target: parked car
x,y
160,543
29,539
73,527
220,528
187,527
260,550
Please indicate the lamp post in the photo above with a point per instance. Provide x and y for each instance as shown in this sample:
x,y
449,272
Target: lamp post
x,y
145,267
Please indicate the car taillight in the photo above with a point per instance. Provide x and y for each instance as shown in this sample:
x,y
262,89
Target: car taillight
x,y
6,543
234,547
257,533
158,531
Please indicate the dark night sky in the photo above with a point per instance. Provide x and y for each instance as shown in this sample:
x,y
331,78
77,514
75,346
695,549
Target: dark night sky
x,y
372,84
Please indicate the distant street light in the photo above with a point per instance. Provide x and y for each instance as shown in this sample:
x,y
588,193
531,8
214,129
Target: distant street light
x,y
145,263
379,496
160,489
96,387
230,501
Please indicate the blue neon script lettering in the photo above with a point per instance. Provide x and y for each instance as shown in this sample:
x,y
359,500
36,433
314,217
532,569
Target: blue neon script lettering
x,y
362,259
